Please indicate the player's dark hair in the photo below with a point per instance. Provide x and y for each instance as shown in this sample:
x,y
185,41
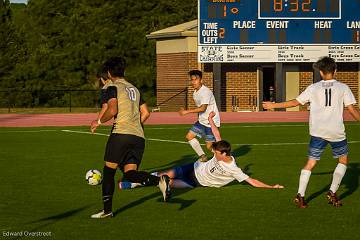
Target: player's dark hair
x,y
116,66
222,146
326,65
102,72
195,73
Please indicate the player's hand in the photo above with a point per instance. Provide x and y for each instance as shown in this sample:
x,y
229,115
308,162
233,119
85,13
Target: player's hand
x,y
268,105
182,112
93,126
278,186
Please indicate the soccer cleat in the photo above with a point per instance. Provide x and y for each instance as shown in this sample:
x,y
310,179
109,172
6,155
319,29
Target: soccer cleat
x,y
102,214
203,158
164,185
300,201
333,199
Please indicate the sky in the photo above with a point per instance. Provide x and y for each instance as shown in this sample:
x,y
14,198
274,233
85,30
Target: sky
x,y
18,1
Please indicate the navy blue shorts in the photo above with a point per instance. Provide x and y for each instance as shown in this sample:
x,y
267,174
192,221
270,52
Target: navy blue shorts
x,y
317,146
186,173
203,132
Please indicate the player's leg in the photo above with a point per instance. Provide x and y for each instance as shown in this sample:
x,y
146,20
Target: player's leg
x,y
196,130
111,163
209,138
316,148
108,187
178,183
180,176
340,151
170,172
133,178
131,174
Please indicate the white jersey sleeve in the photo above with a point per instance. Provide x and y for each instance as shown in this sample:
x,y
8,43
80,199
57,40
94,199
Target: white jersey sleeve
x,y
239,175
349,98
305,96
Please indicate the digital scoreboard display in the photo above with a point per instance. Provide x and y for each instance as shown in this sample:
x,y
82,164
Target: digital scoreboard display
x,y
278,30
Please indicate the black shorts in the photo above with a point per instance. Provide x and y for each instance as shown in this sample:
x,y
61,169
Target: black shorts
x,y
124,149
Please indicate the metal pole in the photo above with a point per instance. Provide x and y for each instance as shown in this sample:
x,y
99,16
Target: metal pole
x,y
279,82
9,101
70,100
217,84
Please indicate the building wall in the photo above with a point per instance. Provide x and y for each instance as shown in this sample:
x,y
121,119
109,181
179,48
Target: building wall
x,y
350,75
172,80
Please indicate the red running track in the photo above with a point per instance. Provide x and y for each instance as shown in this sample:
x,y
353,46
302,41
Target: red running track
x,y
84,119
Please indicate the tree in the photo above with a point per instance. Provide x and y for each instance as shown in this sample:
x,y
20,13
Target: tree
x,y
64,42
8,44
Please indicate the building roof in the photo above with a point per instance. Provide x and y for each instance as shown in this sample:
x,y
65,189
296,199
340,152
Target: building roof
x,y
188,29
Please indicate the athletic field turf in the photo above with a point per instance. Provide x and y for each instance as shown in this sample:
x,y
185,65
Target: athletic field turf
x,y
43,189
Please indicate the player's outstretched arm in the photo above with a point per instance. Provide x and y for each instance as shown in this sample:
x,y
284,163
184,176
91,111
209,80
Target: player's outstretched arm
x,y
214,128
288,104
256,183
200,109
354,112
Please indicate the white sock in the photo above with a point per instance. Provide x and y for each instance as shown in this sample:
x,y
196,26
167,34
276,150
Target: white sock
x,y
338,175
303,182
194,143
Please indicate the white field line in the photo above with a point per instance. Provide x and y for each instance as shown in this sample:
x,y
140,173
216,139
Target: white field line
x,y
30,131
183,142
240,126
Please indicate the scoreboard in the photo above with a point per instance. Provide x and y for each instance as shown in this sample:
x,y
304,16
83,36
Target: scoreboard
x,y
278,30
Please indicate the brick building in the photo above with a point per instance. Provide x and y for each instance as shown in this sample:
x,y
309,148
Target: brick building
x,y
237,86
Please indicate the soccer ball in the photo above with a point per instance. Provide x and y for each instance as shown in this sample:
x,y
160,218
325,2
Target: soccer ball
x,y
93,177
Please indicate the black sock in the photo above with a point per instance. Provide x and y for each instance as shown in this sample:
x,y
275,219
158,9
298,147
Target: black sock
x,y
142,177
108,187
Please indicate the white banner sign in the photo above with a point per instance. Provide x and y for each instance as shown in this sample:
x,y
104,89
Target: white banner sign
x,y
272,53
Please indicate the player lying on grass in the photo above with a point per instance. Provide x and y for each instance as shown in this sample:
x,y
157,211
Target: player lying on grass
x,y
217,172
327,99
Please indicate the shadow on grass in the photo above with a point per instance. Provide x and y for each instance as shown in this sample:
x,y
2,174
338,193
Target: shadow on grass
x,y
351,179
183,160
241,151
62,215
350,182
173,200
53,219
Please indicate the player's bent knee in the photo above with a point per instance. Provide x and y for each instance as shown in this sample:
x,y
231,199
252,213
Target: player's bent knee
x,y
311,163
189,136
111,165
343,160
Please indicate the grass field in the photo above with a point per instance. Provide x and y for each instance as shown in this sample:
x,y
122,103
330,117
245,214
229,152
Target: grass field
x,y
43,188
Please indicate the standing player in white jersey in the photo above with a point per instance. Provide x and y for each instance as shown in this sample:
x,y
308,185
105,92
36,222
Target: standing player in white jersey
x,y
205,103
327,99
